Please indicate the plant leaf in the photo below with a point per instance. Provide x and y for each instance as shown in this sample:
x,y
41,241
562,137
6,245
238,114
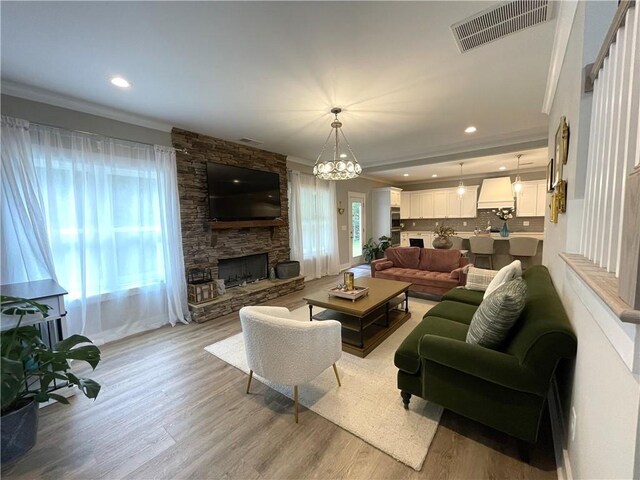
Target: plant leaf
x,y
59,398
89,387
87,353
70,342
12,381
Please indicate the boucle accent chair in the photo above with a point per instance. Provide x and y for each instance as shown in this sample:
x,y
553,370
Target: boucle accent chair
x,y
504,388
287,351
430,270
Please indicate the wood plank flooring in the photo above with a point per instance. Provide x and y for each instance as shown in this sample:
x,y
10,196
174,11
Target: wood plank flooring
x,y
168,409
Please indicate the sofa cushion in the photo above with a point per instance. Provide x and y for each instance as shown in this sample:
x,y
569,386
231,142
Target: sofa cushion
x,y
383,265
456,311
461,294
403,257
479,278
497,314
439,260
407,357
505,274
418,277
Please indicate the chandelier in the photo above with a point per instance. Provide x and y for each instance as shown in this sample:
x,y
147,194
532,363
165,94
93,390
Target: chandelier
x,y
517,185
461,187
343,165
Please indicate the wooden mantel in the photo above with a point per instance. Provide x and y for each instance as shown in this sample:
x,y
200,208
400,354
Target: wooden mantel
x,y
216,225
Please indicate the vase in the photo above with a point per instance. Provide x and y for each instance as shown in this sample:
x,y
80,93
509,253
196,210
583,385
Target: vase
x,y
442,242
504,231
19,430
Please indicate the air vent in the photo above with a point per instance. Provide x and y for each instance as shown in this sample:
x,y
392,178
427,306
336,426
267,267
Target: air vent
x,y
250,141
500,21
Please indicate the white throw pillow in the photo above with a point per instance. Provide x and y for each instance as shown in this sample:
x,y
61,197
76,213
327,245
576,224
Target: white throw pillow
x,y
505,274
479,279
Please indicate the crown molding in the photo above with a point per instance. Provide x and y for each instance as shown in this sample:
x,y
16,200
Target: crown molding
x,y
35,94
564,24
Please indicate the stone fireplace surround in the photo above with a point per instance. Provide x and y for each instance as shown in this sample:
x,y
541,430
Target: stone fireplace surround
x,y
202,247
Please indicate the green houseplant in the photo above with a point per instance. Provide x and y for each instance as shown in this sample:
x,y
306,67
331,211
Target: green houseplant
x,y
370,250
29,367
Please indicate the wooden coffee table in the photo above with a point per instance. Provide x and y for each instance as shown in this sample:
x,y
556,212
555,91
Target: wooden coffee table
x,y
368,321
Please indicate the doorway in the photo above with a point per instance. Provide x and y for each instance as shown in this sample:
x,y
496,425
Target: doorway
x,y
357,230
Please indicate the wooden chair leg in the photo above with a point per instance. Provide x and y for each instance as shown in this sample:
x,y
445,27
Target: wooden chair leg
x,y
295,402
335,370
249,382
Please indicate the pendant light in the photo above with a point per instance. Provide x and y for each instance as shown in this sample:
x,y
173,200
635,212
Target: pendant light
x,y
517,185
461,187
342,165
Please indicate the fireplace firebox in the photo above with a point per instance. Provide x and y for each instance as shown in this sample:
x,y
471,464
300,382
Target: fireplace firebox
x,y
250,268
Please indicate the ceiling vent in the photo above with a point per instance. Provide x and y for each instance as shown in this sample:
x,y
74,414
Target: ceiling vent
x,y
250,141
499,21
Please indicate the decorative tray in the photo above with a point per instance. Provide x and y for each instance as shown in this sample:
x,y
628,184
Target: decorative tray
x,y
353,295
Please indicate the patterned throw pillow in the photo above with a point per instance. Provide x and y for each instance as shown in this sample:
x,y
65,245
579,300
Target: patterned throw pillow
x,y
479,278
497,314
509,272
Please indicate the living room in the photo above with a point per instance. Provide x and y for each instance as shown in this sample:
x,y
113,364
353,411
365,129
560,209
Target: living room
x,y
167,164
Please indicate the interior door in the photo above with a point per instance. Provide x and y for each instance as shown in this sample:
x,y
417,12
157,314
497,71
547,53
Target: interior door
x,y
357,230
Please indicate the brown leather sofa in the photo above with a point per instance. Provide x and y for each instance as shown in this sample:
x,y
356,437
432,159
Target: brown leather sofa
x,y
430,270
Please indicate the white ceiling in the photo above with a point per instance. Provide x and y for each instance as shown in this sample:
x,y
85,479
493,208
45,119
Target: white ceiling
x,y
271,71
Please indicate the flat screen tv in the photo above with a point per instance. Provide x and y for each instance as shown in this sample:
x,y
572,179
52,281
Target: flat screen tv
x,y
237,193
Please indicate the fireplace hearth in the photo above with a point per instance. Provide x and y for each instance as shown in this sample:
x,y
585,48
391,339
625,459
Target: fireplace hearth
x,y
249,268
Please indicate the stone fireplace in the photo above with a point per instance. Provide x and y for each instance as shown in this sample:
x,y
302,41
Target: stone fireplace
x,y
205,247
248,268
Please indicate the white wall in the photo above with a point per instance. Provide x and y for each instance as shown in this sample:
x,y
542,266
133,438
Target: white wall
x,y
605,391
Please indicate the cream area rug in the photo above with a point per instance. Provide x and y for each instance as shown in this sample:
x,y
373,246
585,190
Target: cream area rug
x,y
368,404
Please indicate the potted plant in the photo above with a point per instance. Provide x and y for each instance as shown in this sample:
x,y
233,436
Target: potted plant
x,y
442,239
504,214
29,367
370,250
385,242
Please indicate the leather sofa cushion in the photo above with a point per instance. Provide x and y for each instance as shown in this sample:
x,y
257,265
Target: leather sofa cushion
x,y
407,358
403,257
439,260
418,277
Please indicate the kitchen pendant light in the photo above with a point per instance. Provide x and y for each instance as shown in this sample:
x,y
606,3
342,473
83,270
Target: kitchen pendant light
x,y
461,187
517,185
342,165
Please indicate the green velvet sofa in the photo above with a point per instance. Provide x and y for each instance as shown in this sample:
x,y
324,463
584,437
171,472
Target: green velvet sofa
x,y
504,389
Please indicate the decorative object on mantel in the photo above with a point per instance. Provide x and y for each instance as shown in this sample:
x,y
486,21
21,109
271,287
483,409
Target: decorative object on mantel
x,y
289,269
220,287
200,286
340,208
461,188
442,239
504,214
340,167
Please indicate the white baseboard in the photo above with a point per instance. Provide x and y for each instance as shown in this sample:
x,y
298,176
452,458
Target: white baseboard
x,y
563,464
345,266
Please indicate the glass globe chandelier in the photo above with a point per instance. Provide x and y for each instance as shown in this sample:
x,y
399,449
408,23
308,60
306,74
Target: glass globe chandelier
x,y
517,185
461,187
342,165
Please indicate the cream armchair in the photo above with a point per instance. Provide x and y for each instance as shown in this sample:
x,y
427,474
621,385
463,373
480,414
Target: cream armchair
x,y
287,351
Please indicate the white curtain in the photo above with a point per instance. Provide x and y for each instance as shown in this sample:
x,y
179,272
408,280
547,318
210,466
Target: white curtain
x,y
111,210
313,225
26,255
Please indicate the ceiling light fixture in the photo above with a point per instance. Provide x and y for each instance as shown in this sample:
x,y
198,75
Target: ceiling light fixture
x,y
461,188
517,185
405,174
335,168
434,175
120,82
502,168
470,129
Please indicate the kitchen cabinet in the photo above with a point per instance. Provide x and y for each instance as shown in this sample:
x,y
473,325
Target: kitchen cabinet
x,y
416,205
469,203
426,200
405,205
395,197
454,202
404,239
440,203
532,199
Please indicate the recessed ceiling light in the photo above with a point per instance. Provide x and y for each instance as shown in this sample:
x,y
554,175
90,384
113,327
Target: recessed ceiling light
x,y
502,168
236,181
434,175
405,174
470,129
343,155
120,82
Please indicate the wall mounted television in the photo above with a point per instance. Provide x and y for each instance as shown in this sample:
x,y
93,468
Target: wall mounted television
x,y
237,193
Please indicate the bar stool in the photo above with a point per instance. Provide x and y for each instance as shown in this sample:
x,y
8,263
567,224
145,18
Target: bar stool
x,y
482,247
523,247
456,242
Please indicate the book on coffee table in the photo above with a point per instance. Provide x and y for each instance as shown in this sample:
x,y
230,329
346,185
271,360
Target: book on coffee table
x,y
353,295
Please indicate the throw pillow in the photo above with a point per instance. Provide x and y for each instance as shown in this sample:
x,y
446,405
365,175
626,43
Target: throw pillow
x,y
383,265
479,278
505,274
497,313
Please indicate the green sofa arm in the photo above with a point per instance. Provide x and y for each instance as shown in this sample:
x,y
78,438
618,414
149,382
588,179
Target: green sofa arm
x,y
490,365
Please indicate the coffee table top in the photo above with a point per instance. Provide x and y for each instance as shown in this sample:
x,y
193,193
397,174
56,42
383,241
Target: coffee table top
x,y
380,292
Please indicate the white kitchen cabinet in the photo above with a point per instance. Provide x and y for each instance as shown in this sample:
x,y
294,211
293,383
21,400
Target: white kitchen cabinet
x,y
416,205
454,202
531,199
396,199
404,239
440,203
426,200
405,205
469,204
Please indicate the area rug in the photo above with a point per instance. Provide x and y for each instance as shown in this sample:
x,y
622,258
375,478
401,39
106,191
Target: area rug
x,y
368,404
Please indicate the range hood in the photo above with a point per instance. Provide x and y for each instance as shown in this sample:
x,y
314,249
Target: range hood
x,y
496,193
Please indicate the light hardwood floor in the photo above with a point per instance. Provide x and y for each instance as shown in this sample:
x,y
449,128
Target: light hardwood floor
x,y
168,409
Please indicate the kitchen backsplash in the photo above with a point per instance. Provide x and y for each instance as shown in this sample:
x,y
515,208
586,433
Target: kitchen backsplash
x,y
536,224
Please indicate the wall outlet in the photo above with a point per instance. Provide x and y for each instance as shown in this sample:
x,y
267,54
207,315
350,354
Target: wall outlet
x,y
343,228
436,224
525,223
464,224
413,224
572,426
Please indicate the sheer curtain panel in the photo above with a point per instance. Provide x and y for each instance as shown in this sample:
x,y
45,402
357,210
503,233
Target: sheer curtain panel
x,y
112,215
313,225
26,255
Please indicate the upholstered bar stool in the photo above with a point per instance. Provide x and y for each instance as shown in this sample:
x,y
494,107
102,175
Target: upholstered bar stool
x,y
456,244
482,247
523,248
